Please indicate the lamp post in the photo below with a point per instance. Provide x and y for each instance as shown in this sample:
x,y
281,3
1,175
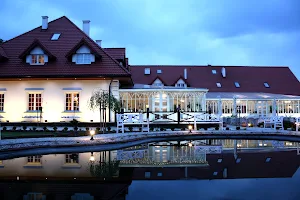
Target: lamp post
x,y
92,158
190,128
92,133
75,105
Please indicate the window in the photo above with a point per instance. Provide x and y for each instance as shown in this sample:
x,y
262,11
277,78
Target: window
x,y
34,159
219,160
34,101
219,85
147,70
266,85
237,84
159,71
72,101
215,173
214,71
147,174
180,85
1,102
268,159
238,160
34,196
37,59
83,58
55,36
72,158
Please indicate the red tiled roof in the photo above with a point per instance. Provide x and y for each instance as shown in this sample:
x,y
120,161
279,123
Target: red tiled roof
x,y
70,36
35,43
116,53
251,79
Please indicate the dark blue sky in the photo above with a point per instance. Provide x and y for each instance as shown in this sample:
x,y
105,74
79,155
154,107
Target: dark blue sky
x,y
191,32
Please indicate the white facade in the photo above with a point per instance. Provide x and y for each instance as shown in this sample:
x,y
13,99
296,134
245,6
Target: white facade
x,y
53,100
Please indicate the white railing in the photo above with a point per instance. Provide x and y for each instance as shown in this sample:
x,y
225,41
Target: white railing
x,y
132,118
276,121
205,118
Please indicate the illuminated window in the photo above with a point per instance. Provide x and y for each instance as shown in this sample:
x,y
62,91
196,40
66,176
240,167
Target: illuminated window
x,y
34,196
34,159
72,101
72,158
83,58
1,102
37,59
34,101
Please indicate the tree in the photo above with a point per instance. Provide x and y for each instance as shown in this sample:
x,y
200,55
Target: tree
x,y
102,99
1,41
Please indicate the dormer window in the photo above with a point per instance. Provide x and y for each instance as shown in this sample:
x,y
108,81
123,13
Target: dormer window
x,y
158,83
237,85
83,56
266,85
37,59
214,71
180,83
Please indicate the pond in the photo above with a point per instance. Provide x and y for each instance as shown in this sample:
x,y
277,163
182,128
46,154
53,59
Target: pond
x,y
202,169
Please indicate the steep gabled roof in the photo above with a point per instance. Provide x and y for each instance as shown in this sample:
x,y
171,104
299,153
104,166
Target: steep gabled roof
x,y
251,79
83,41
116,53
159,78
70,36
182,78
3,55
36,43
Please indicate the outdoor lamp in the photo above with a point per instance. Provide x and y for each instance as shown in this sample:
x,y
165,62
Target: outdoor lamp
x,y
92,132
249,125
190,128
190,144
92,158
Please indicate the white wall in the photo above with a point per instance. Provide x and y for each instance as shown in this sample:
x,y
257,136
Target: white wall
x,y
16,99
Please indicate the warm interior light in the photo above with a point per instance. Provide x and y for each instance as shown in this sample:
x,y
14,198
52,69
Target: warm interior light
x,y
249,125
238,101
287,101
190,127
92,158
190,144
92,132
147,106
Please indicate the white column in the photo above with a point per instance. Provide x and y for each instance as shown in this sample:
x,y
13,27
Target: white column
x,y
274,107
160,101
203,103
234,106
235,149
220,107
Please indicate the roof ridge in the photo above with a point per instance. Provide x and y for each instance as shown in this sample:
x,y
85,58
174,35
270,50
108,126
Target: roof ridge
x,y
32,30
253,66
91,40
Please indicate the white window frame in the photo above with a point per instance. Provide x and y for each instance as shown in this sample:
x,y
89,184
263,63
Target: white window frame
x,y
37,59
35,102
34,159
219,85
237,84
75,107
69,160
86,58
2,100
266,84
180,85
213,71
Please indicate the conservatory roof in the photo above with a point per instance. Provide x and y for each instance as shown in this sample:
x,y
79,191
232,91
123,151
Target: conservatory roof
x,y
138,87
248,95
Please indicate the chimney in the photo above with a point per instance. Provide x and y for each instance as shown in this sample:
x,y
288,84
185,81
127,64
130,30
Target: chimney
x,y
44,22
86,26
99,42
185,73
223,72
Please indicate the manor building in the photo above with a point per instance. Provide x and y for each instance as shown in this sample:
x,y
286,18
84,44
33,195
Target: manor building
x,y
49,73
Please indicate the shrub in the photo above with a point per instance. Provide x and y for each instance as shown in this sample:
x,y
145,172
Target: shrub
x,y
217,128
130,128
227,128
45,128
4,128
87,128
98,129
238,128
14,128
151,128
34,128
172,129
75,128
109,129
183,129
55,128
66,129
161,129
205,128
24,128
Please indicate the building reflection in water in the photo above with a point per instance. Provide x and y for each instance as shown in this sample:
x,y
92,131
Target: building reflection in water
x,y
108,174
